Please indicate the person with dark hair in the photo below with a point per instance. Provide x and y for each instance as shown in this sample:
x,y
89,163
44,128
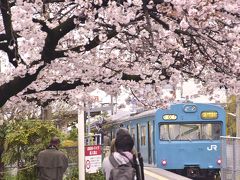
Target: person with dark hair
x,y
51,163
123,151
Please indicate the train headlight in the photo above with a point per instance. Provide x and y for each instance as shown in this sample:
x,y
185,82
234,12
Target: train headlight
x,y
164,162
219,161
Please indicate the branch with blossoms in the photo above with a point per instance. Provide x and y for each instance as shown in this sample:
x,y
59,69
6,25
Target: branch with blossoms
x,y
44,102
16,85
152,40
65,85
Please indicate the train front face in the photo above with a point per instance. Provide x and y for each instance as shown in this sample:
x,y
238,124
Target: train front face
x,y
188,139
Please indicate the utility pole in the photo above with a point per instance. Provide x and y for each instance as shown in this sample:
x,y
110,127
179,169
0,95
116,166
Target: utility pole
x,y
89,122
81,145
112,104
181,90
238,115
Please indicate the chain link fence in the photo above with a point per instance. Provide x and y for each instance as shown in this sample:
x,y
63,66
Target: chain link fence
x,y
230,153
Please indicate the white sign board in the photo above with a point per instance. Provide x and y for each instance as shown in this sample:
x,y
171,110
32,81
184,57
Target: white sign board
x,y
93,158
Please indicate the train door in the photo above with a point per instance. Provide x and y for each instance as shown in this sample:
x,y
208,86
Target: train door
x,y
143,142
149,142
138,138
153,142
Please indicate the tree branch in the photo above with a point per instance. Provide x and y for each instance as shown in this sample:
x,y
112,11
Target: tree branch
x,y
10,35
54,36
3,37
16,85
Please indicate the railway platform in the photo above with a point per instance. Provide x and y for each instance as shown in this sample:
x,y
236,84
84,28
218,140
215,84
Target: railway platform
x,y
153,173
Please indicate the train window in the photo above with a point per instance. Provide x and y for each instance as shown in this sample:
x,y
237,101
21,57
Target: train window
x,y
143,135
186,131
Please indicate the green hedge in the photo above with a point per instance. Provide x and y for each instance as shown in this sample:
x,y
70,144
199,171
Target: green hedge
x,y
73,175
95,176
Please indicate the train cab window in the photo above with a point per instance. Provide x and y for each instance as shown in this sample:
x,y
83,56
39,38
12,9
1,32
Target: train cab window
x,y
143,135
211,131
186,131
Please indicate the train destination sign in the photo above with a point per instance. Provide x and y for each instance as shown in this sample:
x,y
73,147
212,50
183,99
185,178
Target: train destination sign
x,y
209,115
169,117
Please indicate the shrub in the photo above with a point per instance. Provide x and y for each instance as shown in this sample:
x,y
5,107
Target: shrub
x,y
73,175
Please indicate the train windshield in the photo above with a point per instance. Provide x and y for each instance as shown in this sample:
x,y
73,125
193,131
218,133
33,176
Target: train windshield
x,y
187,131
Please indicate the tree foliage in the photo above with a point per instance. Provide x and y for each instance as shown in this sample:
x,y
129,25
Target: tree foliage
x,y
3,131
58,49
73,135
24,139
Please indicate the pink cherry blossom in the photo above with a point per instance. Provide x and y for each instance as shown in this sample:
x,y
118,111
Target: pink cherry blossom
x,y
63,50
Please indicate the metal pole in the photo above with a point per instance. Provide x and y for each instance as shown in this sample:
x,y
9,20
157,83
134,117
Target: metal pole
x,y
112,105
89,128
181,90
81,147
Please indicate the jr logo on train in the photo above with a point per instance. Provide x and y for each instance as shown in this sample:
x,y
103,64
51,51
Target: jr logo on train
x,y
212,147
184,139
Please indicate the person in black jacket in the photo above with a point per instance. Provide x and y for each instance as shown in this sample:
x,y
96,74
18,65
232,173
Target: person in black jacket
x,y
52,163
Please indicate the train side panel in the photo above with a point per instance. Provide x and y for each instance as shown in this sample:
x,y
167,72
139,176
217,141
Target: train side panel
x,y
142,131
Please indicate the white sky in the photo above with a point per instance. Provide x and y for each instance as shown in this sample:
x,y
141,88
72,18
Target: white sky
x,y
190,88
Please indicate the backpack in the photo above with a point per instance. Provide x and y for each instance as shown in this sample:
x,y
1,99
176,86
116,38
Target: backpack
x,y
122,171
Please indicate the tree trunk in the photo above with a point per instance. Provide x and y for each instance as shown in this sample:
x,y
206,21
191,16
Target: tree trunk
x,y
46,113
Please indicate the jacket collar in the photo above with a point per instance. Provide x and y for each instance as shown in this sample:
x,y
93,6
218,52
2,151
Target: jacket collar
x,y
52,147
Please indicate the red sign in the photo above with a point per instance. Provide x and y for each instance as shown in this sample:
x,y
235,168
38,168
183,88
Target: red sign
x,y
93,150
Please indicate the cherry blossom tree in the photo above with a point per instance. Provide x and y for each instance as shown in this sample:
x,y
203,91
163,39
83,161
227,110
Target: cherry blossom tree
x,y
61,48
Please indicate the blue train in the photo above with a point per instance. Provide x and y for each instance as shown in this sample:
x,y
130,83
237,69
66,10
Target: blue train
x,y
184,139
